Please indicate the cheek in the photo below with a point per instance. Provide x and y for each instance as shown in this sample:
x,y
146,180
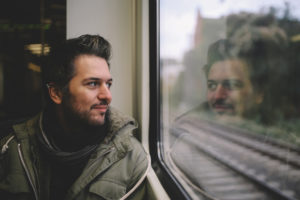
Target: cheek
x,y
84,99
243,100
247,95
238,96
209,95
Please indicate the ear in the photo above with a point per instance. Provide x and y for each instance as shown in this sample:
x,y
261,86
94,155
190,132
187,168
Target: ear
x,y
55,94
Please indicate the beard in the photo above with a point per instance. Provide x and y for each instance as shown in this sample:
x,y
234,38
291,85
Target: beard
x,y
79,120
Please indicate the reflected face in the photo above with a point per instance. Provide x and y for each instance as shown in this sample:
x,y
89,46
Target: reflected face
x,y
230,91
89,92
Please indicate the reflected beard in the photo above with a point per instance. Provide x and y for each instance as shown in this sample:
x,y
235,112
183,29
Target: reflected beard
x,y
222,105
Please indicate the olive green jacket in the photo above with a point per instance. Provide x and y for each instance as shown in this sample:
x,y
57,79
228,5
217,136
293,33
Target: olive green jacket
x,y
116,170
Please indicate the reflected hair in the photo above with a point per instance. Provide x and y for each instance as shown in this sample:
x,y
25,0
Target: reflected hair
x,y
218,51
262,48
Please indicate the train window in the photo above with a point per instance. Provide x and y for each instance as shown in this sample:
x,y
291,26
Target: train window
x,y
27,31
228,97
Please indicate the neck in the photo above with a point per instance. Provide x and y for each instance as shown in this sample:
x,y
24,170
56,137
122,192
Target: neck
x,y
71,136
65,125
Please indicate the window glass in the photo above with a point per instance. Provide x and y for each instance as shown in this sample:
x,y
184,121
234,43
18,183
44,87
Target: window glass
x,y
230,97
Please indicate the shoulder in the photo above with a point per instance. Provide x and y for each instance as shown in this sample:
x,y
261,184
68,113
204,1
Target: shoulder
x,y
12,132
8,132
137,149
128,145
201,108
122,126
6,127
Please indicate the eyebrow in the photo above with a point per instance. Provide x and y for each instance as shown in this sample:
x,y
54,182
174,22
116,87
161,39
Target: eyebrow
x,y
96,79
228,80
211,81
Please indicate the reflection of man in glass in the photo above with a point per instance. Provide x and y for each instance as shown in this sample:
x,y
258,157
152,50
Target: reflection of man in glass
x,y
243,70
229,86
246,74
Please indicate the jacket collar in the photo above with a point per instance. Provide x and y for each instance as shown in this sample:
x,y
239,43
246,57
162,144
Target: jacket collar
x,y
118,121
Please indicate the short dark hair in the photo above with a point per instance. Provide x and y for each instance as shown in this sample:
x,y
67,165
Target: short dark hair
x,y
58,68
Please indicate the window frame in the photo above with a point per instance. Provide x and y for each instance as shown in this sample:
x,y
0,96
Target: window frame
x,y
167,179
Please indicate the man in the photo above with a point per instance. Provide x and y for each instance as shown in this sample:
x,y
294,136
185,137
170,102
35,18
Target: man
x,y
78,147
231,89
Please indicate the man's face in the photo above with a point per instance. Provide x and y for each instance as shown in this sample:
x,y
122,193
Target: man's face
x,y
89,93
229,90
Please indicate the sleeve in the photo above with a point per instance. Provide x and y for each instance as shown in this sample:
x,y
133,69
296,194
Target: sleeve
x,y
13,182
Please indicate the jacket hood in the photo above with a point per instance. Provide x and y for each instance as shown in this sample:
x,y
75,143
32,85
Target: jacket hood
x,y
120,130
118,120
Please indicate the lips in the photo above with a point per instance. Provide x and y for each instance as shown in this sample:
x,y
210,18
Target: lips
x,y
222,107
101,108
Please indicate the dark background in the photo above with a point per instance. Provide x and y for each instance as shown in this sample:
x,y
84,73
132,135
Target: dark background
x,y
22,23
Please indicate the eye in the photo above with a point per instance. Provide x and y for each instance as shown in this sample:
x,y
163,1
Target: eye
x,y
211,85
108,84
232,84
92,84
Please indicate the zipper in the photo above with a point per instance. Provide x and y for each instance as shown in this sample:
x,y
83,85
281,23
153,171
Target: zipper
x,y
27,172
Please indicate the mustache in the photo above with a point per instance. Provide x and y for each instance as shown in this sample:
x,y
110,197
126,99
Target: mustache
x,y
102,103
221,102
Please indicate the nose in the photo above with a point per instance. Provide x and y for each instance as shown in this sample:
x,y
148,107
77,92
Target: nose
x,y
104,93
220,92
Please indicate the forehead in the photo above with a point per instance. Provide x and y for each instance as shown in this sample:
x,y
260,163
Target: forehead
x,y
91,66
229,69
